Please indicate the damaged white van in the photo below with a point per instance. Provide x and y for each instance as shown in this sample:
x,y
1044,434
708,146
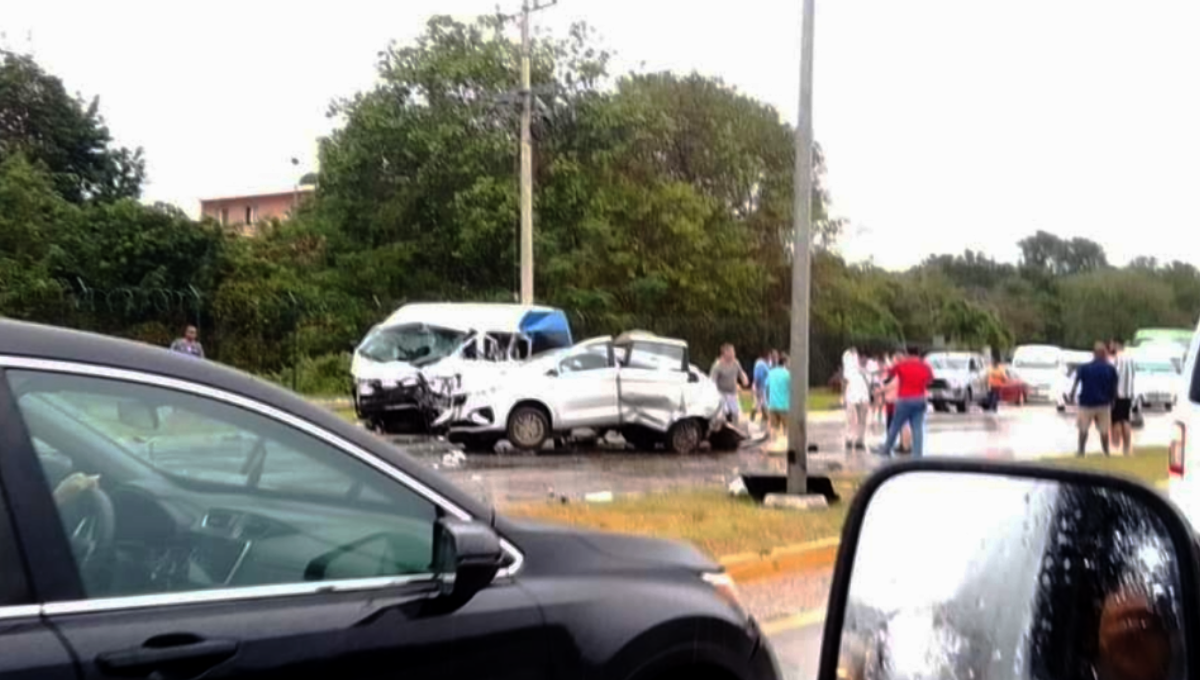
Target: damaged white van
x,y
421,349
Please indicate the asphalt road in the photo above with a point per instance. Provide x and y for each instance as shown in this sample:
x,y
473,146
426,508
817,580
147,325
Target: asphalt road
x,y
1024,433
798,649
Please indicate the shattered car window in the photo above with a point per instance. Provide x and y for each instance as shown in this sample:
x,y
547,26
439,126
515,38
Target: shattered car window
x,y
415,343
592,358
653,357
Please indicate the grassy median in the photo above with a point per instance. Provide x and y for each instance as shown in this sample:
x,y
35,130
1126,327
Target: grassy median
x,y
722,525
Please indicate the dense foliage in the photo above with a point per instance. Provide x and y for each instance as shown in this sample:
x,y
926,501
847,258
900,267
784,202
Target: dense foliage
x,y
663,202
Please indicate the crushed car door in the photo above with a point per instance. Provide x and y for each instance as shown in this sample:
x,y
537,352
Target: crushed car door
x,y
652,378
585,390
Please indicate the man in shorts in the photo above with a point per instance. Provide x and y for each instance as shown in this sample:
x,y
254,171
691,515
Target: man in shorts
x,y
727,373
761,368
1097,385
1122,430
779,387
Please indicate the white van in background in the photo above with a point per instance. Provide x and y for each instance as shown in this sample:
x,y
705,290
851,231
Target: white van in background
x,y
1183,463
1040,367
1156,378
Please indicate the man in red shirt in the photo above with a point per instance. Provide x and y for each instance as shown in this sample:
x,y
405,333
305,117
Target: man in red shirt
x,y
913,376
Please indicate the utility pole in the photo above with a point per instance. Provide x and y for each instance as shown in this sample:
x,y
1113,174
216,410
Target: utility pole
x,y
797,464
527,8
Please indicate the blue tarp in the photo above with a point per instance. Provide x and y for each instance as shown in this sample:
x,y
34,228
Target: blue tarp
x,y
547,329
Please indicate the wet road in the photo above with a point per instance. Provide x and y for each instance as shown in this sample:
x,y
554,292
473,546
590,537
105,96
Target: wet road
x,y
1014,434
798,650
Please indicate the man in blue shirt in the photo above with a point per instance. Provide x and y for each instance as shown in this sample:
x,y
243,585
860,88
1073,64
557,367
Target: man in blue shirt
x,y
1097,385
761,367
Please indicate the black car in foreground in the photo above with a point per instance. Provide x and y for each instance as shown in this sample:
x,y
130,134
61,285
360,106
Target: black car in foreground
x,y
165,517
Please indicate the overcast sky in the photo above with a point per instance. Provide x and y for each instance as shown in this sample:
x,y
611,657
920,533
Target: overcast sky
x,y
948,124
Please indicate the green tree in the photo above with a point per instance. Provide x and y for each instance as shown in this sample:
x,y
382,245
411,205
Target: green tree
x,y
66,135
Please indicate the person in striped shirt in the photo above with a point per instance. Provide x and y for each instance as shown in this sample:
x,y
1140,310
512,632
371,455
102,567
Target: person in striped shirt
x,y
1122,430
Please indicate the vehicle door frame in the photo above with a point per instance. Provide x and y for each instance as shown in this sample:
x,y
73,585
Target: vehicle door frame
x,y
605,412
629,414
56,586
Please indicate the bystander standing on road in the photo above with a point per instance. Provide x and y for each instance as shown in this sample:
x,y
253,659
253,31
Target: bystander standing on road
x,y
727,373
189,344
761,367
1096,382
913,376
874,370
779,387
887,393
858,404
997,377
849,365
1122,410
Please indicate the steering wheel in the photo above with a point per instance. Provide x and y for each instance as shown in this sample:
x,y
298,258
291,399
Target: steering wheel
x,y
91,523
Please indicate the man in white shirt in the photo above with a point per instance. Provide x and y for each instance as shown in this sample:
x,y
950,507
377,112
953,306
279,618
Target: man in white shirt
x,y
858,402
1122,429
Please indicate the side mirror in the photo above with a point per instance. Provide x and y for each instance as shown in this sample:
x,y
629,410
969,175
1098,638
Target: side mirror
x,y
980,570
467,555
137,415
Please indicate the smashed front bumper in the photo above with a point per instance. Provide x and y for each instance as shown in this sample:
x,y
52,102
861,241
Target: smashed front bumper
x,y
374,399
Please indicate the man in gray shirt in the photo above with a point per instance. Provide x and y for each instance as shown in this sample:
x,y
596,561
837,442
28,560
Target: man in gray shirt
x,y
188,344
727,373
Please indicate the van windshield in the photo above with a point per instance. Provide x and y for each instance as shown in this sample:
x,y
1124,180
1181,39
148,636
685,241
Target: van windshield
x,y
416,343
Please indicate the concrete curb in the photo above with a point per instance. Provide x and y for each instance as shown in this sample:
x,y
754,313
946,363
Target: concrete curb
x,y
788,559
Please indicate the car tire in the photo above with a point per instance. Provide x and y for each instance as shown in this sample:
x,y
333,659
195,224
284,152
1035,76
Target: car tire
x,y
528,428
684,437
964,405
941,406
640,438
1168,407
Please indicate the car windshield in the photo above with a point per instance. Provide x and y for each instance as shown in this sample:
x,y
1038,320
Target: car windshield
x,y
1035,363
418,344
1159,367
946,362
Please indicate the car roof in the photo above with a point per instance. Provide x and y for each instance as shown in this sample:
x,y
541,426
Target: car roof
x,y
50,343
646,336
467,316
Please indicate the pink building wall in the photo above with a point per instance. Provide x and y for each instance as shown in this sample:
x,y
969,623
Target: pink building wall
x,y
244,213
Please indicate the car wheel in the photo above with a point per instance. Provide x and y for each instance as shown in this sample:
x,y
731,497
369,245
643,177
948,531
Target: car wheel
x,y
941,406
1168,407
528,428
684,437
964,405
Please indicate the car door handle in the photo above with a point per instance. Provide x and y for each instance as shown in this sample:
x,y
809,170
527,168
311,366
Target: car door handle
x,y
185,655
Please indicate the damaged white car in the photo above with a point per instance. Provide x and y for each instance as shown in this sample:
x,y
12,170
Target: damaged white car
x,y
638,384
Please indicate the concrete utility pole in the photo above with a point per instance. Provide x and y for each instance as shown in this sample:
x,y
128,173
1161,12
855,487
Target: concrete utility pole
x,y
527,8
797,475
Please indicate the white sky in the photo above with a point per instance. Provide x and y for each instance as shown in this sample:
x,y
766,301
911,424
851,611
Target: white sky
x,y
947,124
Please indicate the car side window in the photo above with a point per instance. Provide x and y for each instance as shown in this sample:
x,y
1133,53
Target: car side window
x,y
590,358
161,491
653,356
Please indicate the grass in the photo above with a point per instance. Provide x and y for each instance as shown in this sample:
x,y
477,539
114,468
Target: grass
x,y
1148,465
819,399
722,525
710,519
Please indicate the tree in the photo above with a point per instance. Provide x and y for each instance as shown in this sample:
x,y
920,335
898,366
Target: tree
x,y
67,136
1046,253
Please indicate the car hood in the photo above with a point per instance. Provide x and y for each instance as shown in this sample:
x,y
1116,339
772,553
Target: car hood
x,y
951,374
562,550
362,368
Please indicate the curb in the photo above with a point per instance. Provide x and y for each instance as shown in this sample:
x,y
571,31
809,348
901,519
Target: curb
x,y
788,622
788,559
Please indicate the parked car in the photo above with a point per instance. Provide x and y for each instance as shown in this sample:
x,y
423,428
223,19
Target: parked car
x,y
959,379
1014,391
1038,366
639,384
1183,474
169,517
1156,377
419,344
